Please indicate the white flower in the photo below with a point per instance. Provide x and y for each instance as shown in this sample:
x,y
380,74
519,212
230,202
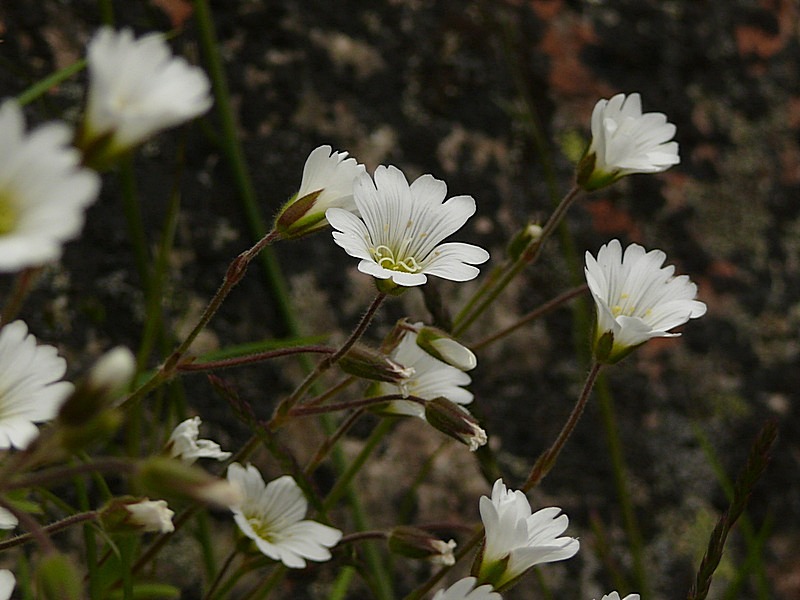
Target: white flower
x,y
7,583
637,299
43,190
327,182
30,390
625,141
516,540
431,379
440,345
615,596
7,519
138,88
184,445
151,515
399,234
272,516
463,590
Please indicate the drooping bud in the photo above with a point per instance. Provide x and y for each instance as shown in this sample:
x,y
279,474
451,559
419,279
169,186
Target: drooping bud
x,y
455,421
367,363
522,239
442,346
128,514
169,477
418,543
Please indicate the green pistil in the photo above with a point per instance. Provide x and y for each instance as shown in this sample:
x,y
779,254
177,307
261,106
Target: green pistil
x,y
8,215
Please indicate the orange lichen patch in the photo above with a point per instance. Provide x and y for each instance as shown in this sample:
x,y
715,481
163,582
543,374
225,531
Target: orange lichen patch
x,y
178,11
609,219
547,9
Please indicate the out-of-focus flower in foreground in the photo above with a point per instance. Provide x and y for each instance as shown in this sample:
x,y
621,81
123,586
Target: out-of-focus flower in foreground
x,y
399,235
464,589
136,89
327,182
516,540
272,515
31,390
625,141
636,299
184,445
43,190
7,583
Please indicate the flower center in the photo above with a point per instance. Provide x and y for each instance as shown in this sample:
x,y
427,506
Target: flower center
x,y
261,529
8,215
389,259
627,309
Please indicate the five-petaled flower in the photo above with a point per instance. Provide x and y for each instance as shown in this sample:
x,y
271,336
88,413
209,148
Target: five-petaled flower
x,y
625,141
272,516
136,89
516,540
430,378
399,233
636,298
464,589
327,182
43,190
31,390
184,445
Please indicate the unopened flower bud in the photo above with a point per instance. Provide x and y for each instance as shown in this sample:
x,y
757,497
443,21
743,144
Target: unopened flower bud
x,y
442,346
417,543
105,383
455,421
169,477
129,514
184,445
367,363
522,239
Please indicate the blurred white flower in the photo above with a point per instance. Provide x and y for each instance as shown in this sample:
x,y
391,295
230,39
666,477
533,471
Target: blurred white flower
x,y
7,519
636,298
184,445
327,182
464,589
272,516
43,190
138,88
625,141
151,515
516,540
398,236
615,596
7,583
30,387
431,379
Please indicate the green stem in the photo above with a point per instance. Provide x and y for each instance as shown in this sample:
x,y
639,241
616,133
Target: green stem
x,y
253,358
308,411
220,574
40,88
22,285
56,474
547,459
55,527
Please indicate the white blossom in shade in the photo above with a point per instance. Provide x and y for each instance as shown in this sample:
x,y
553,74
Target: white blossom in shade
x,y
272,515
625,141
151,515
7,583
184,445
399,234
30,387
138,88
431,379
7,519
615,596
43,190
516,540
327,182
636,298
464,589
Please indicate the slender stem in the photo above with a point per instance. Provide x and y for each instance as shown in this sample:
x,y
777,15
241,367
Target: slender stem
x,y
537,313
341,386
49,529
308,411
548,458
40,88
38,533
220,574
329,443
529,256
253,358
22,285
352,538
48,476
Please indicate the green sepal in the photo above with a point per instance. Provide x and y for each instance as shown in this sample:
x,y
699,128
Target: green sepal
x,y
293,219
